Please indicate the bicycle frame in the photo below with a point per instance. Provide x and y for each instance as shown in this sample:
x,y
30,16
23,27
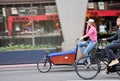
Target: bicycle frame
x,y
106,59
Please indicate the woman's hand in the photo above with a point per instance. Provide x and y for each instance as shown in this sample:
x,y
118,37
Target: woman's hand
x,y
81,38
88,25
104,39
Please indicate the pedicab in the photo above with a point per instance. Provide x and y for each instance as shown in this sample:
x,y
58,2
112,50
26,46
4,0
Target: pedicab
x,y
58,58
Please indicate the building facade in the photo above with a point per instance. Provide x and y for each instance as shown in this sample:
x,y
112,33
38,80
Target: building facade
x,y
17,16
105,13
24,17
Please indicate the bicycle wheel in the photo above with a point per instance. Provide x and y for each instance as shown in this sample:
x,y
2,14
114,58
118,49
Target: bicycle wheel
x,y
44,65
103,60
87,72
103,64
118,69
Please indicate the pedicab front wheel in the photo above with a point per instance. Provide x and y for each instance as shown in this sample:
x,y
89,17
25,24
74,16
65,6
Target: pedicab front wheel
x,y
87,72
44,65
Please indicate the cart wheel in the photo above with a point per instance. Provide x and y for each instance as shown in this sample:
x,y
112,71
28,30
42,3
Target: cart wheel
x,y
44,65
87,72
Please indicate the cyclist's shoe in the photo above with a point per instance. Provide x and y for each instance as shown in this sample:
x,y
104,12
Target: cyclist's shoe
x,y
114,62
105,71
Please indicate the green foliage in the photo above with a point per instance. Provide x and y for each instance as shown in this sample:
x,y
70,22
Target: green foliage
x,y
3,49
25,47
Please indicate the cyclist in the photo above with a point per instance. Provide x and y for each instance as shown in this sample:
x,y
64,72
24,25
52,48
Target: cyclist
x,y
111,48
91,33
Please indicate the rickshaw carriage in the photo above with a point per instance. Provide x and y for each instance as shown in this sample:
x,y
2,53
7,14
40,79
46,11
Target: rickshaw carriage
x,y
58,58
67,57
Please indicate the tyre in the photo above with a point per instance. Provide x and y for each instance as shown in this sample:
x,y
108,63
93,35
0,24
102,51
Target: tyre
x,y
103,64
118,69
84,72
102,58
44,65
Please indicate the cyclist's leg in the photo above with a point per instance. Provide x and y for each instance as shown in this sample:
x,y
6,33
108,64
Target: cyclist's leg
x,y
88,49
110,51
81,45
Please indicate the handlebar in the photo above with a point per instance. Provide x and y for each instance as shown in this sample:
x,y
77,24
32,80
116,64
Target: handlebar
x,y
101,41
76,41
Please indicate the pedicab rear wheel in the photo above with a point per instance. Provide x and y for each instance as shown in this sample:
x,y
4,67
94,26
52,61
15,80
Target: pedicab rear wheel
x,y
44,65
87,73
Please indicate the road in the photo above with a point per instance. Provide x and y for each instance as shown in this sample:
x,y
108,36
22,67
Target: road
x,y
57,73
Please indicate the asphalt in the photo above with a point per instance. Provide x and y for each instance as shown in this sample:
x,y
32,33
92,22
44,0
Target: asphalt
x,y
17,66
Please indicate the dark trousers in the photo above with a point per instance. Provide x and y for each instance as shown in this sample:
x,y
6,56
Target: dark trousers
x,y
111,49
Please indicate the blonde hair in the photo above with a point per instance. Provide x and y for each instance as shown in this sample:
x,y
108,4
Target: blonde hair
x,y
92,23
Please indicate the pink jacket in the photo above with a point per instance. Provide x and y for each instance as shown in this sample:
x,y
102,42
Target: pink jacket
x,y
92,33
